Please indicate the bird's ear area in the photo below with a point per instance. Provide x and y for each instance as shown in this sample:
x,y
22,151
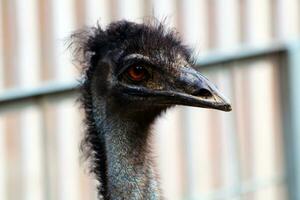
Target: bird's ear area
x,y
102,76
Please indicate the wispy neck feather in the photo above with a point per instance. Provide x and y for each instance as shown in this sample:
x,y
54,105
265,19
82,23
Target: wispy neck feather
x,y
129,169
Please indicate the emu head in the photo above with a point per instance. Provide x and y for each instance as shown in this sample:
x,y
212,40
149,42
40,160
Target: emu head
x,y
138,69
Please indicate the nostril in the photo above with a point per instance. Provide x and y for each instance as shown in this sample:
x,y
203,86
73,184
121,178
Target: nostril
x,y
203,93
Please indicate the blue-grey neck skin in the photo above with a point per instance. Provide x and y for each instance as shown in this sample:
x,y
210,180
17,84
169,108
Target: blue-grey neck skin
x,y
130,171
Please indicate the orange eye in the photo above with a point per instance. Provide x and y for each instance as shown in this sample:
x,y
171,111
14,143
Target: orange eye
x,y
137,73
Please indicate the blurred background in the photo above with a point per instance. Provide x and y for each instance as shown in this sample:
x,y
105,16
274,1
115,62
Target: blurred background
x,y
249,48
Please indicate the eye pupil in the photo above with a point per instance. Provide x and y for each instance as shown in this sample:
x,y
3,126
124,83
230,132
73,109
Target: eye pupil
x,y
137,73
138,69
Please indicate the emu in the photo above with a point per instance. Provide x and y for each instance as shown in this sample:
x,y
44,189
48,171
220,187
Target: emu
x,y
132,73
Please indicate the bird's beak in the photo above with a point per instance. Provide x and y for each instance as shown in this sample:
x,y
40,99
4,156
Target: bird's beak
x,y
193,89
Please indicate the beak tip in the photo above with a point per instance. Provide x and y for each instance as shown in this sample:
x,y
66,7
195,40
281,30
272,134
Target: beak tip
x,y
227,108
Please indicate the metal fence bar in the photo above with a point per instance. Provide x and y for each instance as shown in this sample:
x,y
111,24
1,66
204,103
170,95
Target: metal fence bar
x,y
53,88
217,59
12,98
291,115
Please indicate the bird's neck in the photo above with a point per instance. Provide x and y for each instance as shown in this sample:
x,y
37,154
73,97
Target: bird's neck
x,y
129,169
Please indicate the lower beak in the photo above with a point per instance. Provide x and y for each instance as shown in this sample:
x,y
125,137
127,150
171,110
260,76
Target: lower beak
x,y
214,101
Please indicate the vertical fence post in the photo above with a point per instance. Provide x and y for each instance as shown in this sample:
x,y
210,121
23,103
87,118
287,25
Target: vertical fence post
x,y
291,116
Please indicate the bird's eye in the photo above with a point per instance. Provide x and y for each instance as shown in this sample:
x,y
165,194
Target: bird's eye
x,y
137,72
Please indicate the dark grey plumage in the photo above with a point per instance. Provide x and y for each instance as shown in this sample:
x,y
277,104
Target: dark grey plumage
x,y
131,74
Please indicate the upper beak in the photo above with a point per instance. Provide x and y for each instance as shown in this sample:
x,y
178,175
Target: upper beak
x,y
196,90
